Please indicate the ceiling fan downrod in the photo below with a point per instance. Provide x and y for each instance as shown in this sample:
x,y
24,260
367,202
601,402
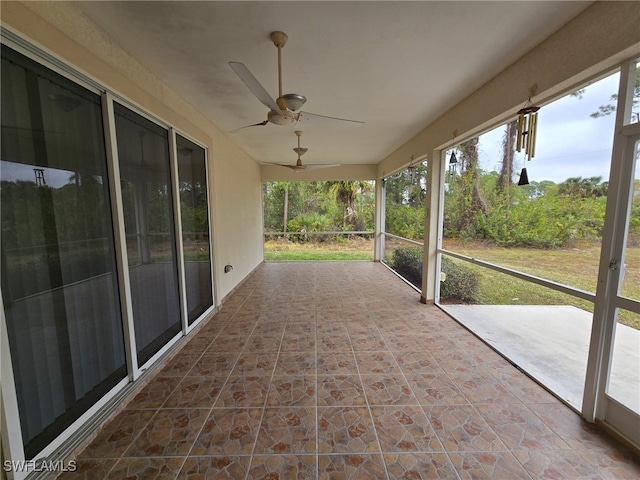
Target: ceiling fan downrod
x,y
279,39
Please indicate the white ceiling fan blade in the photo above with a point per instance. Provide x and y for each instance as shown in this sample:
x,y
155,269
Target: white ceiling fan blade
x,y
314,117
254,85
261,124
292,167
322,165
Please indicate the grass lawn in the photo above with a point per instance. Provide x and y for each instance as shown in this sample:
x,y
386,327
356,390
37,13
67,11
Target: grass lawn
x,y
285,251
576,267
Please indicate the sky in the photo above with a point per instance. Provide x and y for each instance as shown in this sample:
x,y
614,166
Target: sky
x,y
13,172
570,143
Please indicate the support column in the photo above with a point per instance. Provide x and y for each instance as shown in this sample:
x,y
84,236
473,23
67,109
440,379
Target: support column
x,y
380,199
432,228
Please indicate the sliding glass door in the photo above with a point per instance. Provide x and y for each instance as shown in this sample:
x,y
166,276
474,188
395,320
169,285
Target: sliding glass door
x,y
59,282
143,155
194,213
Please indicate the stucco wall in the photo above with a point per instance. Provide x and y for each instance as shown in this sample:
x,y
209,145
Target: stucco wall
x,y
236,204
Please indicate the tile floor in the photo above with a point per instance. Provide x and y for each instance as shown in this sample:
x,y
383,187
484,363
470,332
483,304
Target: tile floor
x,y
336,371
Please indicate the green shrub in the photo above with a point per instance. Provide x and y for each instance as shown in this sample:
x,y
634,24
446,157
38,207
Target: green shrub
x,y
313,222
405,221
408,263
461,283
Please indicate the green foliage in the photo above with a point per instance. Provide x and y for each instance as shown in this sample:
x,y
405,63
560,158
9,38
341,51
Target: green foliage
x,y
584,187
542,215
193,209
405,221
634,221
408,263
405,202
461,284
312,222
318,206
402,189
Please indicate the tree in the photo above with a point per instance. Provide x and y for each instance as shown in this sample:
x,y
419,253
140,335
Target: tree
x,y
609,108
591,187
471,202
346,192
508,152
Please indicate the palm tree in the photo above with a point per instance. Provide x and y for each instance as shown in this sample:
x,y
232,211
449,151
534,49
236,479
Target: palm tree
x,y
584,187
346,192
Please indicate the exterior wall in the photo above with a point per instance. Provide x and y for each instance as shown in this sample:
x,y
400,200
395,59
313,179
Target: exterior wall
x,y
63,31
597,40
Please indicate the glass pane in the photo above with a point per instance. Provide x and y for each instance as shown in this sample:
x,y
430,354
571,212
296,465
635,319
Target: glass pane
x,y
405,258
143,152
59,282
194,211
550,226
631,280
635,108
405,197
624,377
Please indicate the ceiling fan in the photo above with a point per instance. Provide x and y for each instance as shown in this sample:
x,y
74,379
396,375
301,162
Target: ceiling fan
x,y
298,166
284,109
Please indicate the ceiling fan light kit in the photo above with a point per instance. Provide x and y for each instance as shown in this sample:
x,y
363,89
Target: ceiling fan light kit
x,y
294,101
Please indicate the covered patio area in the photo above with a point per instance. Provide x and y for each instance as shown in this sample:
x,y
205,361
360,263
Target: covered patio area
x,y
336,370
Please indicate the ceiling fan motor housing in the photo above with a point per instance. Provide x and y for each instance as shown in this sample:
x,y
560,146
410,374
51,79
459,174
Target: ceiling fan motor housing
x,y
284,118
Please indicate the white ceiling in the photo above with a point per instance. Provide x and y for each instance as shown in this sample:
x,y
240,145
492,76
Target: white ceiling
x,y
396,66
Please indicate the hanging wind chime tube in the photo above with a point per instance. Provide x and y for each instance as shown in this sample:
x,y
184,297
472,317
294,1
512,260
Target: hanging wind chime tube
x,y
527,128
526,135
452,158
412,174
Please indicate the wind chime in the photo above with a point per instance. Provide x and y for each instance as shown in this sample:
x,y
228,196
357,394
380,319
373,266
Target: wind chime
x,y
412,174
526,133
412,171
453,160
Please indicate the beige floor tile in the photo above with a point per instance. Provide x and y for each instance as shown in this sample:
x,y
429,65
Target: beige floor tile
x,y
297,391
351,466
286,430
488,466
228,431
387,390
171,432
346,430
404,429
294,467
419,466
214,468
340,390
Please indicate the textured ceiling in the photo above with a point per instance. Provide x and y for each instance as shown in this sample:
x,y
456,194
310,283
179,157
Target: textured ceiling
x,y
396,66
